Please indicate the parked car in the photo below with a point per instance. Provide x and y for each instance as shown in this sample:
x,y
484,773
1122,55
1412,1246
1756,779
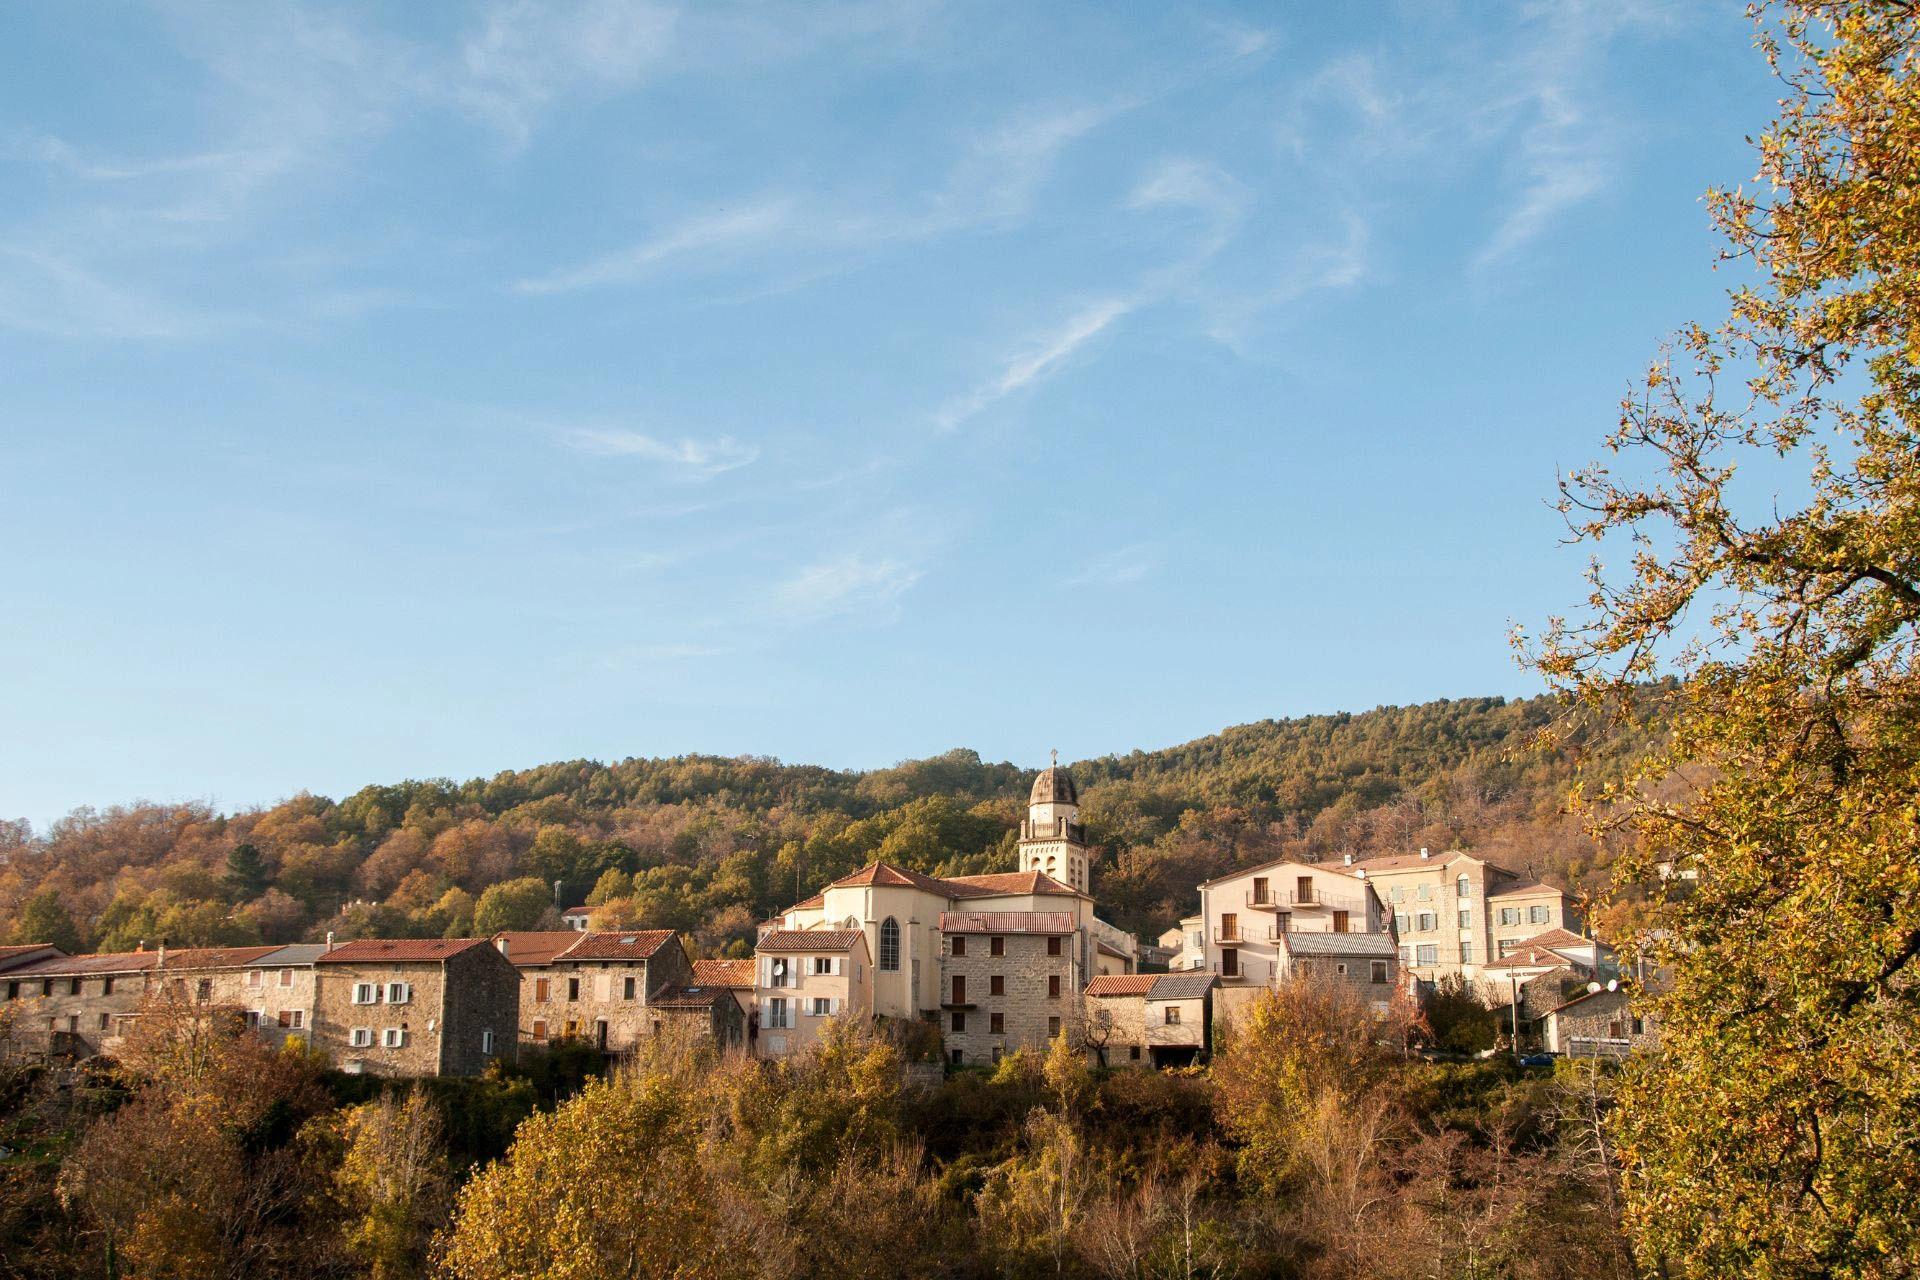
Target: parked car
x,y
1537,1060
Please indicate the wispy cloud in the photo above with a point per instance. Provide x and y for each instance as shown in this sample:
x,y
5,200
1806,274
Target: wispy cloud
x,y
1119,567
848,585
720,232
691,459
523,55
1037,361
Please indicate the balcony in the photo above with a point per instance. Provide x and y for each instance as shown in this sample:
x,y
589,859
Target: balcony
x,y
1230,936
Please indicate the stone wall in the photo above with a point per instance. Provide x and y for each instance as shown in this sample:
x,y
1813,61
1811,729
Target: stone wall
x,y
1038,997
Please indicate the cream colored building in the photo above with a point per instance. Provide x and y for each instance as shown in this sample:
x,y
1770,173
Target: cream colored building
x,y
1454,912
806,977
1245,917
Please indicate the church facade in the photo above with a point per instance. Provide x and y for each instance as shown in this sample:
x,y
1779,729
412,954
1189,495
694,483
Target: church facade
x,y
999,961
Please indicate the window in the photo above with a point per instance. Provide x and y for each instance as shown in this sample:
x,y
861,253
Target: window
x,y
1401,921
13,991
959,946
73,986
996,1055
286,977
1379,971
366,993
253,1020
394,1038
821,1007
1466,953
399,993
1261,894
573,988
106,986
953,1056
1053,986
890,945
1538,915
1230,963
780,972
539,1029
1341,968
1339,922
1397,894
959,1020
1639,1027
996,946
543,989
1053,1026
1053,945
1406,955
486,1040
997,1023
1508,946
1426,922
959,989
253,977
627,989
997,985
1463,887
1424,892
1428,954
777,1017
1509,915
1229,927
1303,889
1173,1015
1466,917
360,1037
1133,1052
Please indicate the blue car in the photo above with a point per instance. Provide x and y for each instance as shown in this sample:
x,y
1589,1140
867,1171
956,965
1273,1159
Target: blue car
x,y
1537,1060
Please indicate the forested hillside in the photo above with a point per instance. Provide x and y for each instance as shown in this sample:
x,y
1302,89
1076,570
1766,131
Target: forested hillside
x,y
714,845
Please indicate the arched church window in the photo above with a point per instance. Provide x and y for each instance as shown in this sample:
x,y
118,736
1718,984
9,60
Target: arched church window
x,y
890,945
850,923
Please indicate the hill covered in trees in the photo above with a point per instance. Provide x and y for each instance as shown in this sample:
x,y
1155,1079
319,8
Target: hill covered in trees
x,y
713,845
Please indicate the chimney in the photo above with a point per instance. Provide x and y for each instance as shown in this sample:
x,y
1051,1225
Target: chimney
x,y
160,961
1346,859
558,901
501,942
1424,853
143,945
329,940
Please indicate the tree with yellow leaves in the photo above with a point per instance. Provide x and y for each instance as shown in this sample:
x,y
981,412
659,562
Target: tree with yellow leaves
x,y
1777,1131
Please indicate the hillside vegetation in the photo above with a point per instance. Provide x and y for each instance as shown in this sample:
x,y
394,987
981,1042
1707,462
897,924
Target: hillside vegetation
x,y
713,845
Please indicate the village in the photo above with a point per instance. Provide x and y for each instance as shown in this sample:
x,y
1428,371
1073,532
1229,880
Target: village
x,y
995,963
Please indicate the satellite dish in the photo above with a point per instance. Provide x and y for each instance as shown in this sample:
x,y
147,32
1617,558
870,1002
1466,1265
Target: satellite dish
x,y
1593,988
1613,984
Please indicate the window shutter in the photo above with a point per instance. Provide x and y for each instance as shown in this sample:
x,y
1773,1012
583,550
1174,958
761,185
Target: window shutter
x,y
833,1006
835,970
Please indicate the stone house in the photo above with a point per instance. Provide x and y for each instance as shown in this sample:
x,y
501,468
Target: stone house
x,y
804,978
85,1005
1600,1024
275,991
1366,963
711,1013
1159,1020
1008,981
593,986
415,1007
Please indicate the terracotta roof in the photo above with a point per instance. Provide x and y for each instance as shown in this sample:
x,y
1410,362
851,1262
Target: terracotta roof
x,y
1006,922
376,950
143,961
881,873
1558,938
1004,882
723,973
537,947
1523,890
695,997
811,940
1123,984
817,901
1404,861
581,910
1333,868
1530,958
633,945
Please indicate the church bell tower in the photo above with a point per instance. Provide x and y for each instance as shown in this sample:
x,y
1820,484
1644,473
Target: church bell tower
x,y
1051,839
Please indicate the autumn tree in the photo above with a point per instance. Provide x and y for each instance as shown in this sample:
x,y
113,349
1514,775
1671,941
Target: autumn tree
x,y
1763,495
393,1182
512,904
44,918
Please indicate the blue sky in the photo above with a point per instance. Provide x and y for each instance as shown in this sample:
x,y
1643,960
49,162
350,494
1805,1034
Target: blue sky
x,y
432,390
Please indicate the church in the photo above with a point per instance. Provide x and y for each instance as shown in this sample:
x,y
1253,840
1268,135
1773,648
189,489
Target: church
x,y
999,961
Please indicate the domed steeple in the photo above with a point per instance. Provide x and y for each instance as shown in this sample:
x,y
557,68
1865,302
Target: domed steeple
x,y
1051,839
1054,786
